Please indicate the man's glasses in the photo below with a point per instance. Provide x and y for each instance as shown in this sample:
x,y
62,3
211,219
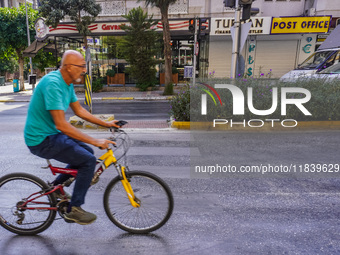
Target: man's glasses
x,y
82,66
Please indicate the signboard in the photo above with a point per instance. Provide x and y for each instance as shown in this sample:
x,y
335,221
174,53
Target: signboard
x,y
300,25
41,29
188,71
115,27
222,26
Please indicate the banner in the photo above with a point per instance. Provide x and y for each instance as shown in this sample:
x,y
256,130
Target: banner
x,y
300,25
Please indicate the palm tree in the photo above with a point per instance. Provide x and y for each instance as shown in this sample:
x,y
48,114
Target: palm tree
x,y
163,5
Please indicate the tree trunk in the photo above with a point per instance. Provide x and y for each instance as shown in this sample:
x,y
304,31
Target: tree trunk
x,y
85,42
167,48
21,72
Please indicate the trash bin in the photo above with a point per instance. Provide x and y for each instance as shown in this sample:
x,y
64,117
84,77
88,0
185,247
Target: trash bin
x,y
2,80
16,85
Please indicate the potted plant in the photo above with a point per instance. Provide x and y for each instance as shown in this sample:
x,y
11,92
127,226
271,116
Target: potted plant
x,y
110,73
174,76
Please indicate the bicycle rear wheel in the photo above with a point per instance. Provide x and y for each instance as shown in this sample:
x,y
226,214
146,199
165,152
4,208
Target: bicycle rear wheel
x,y
154,195
14,191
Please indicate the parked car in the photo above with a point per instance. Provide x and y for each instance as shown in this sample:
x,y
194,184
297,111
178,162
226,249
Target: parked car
x,y
314,64
329,74
327,55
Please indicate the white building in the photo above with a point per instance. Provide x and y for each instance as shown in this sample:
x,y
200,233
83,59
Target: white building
x,y
13,3
271,48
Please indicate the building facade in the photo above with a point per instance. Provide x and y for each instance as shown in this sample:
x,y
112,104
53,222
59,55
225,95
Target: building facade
x,y
13,3
270,49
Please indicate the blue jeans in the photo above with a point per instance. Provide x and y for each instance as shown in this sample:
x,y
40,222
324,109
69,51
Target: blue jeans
x,y
76,154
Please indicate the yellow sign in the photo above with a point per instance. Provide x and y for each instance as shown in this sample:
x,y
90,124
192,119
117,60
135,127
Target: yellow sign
x,y
300,25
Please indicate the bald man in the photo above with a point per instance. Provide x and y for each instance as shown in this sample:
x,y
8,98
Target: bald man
x,y
50,136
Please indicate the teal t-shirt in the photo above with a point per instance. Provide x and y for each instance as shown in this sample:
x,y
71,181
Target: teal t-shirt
x,y
52,93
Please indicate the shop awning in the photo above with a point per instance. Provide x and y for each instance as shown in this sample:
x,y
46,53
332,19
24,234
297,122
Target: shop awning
x,y
33,49
50,48
332,41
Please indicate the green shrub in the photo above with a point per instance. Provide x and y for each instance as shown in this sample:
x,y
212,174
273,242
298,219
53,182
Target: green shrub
x,y
180,105
143,86
97,85
324,103
110,72
169,89
174,70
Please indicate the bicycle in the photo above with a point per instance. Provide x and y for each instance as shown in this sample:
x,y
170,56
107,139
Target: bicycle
x,y
135,201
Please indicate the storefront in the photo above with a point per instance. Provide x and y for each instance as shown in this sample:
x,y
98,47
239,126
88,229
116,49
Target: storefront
x,y
106,35
273,47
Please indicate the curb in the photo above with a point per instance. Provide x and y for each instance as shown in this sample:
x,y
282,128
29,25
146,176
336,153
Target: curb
x,y
127,98
116,98
99,99
15,101
180,124
302,125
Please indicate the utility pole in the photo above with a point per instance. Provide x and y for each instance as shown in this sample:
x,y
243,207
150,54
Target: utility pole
x,y
236,40
194,61
29,43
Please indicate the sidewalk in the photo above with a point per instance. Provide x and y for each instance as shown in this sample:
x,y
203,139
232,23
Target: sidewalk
x,y
8,95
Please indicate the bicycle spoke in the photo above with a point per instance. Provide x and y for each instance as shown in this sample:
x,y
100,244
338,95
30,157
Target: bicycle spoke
x,y
14,191
155,203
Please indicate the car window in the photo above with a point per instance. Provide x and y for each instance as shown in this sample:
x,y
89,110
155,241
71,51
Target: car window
x,y
332,69
316,59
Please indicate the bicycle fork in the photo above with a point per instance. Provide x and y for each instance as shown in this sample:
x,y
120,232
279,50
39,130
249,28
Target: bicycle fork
x,y
135,202
108,159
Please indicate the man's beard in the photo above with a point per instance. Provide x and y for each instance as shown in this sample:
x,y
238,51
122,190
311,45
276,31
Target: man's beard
x,y
78,80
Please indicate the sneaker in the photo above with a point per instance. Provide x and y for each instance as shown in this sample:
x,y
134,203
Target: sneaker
x,y
78,215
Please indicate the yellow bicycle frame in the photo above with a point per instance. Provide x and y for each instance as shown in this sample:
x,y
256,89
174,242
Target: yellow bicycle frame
x,y
108,159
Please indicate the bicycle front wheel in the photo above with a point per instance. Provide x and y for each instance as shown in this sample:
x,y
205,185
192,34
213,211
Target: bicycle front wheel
x,y
36,216
153,195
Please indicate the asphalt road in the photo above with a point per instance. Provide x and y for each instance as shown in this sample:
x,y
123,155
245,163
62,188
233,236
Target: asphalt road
x,y
213,214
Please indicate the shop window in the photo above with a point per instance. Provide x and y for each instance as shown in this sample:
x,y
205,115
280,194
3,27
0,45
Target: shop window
x,y
112,7
179,7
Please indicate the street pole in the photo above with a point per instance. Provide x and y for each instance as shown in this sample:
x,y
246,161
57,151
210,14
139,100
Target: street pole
x,y
194,61
29,43
236,40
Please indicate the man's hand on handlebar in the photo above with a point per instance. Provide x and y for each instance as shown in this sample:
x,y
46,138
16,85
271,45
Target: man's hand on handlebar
x,y
117,123
103,143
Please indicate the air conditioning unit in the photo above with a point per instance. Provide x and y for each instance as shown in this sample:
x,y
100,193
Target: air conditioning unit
x,y
311,12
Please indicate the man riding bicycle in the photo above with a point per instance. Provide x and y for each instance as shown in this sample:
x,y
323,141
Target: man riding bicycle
x,y
49,135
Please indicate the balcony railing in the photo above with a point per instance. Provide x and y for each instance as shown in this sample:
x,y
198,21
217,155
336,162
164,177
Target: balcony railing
x,y
112,7
179,7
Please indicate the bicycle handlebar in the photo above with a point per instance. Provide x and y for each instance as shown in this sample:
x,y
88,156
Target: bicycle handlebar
x,y
120,123
121,136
